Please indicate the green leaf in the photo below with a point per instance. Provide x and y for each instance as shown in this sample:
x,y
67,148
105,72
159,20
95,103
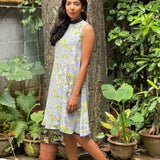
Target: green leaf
x,y
141,62
156,29
26,102
118,42
149,6
114,130
112,11
137,117
108,91
37,116
152,67
37,69
134,22
124,92
142,7
4,67
124,34
142,49
113,36
17,73
152,84
31,148
6,99
120,17
141,68
32,9
152,106
25,2
133,11
134,17
100,135
145,30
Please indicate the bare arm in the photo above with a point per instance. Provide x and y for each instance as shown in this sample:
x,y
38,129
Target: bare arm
x,y
88,38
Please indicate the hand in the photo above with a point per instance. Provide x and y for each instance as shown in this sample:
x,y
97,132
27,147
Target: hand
x,y
72,103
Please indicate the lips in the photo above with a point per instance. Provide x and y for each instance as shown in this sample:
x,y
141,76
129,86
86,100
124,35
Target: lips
x,y
72,13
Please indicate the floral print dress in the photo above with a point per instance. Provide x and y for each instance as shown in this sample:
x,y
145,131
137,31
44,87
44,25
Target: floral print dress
x,y
63,78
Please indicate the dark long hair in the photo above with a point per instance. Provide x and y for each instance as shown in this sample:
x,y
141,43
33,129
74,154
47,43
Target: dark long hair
x,y
63,21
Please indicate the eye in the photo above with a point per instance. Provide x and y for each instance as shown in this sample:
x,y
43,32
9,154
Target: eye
x,y
68,3
77,4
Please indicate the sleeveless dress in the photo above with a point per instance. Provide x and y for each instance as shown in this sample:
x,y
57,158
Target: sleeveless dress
x,y
65,70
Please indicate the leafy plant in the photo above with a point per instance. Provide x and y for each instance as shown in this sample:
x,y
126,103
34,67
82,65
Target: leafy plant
x,y
126,117
135,41
19,105
29,8
151,107
20,69
52,136
26,121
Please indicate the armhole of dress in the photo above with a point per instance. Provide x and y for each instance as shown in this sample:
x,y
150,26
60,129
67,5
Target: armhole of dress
x,y
83,27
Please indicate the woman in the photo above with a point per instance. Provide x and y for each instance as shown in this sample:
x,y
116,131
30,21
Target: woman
x,y
67,103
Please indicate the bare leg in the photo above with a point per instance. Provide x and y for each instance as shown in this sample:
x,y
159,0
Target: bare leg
x,y
71,147
91,147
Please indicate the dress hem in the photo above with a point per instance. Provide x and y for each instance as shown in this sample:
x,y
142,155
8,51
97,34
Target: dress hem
x,y
67,133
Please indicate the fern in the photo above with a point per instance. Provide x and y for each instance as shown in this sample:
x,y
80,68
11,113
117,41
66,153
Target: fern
x,y
20,128
20,138
6,121
34,131
6,117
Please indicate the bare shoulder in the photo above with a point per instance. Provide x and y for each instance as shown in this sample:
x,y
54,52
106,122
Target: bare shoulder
x,y
87,30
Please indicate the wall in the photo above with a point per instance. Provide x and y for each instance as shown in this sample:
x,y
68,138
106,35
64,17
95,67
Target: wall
x,y
16,39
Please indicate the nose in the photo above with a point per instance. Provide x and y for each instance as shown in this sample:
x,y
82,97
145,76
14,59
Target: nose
x,y
72,6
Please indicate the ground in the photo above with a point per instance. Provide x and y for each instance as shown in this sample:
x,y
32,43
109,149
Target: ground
x,y
139,154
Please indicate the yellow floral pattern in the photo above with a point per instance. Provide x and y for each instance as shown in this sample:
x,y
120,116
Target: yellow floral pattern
x,y
64,74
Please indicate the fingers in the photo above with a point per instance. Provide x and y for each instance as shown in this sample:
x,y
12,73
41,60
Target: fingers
x,y
72,108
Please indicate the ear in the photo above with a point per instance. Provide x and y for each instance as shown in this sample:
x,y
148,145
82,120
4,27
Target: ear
x,y
83,8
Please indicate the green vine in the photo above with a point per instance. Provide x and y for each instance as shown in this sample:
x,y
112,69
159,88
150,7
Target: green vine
x,y
30,10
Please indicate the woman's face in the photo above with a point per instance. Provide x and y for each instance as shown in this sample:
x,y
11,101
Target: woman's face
x,y
74,9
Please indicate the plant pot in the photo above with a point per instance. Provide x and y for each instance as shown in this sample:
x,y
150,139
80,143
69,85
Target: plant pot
x,y
35,146
4,144
120,150
48,151
151,143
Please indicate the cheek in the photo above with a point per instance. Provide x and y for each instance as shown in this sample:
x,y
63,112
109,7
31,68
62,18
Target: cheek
x,y
67,10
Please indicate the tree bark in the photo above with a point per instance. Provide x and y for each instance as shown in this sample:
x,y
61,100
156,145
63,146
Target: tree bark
x,y
97,68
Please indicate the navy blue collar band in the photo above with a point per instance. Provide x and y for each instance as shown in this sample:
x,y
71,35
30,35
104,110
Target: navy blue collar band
x,y
76,21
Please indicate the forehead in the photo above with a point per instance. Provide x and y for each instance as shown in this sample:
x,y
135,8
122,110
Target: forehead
x,y
73,1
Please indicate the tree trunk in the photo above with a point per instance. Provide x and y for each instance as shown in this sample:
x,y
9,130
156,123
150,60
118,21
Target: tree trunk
x,y
97,68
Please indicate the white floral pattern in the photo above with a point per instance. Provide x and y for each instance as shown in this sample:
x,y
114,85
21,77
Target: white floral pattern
x,y
64,74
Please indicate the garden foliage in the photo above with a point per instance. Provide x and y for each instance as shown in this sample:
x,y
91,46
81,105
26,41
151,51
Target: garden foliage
x,y
135,40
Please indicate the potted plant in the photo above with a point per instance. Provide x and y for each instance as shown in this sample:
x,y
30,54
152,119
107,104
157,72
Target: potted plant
x,y
6,123
48,147
151,133
33,134
21,102
123,137
6,134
